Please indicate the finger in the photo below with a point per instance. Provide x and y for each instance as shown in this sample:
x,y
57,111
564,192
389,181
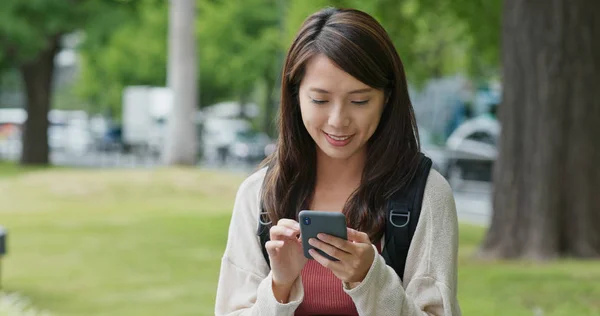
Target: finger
x,y
337,242
281,232
272,246
289,223
328,249
356,236
329,264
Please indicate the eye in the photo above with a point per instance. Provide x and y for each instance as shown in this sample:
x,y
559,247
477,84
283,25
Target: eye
x,y
360,102
318,101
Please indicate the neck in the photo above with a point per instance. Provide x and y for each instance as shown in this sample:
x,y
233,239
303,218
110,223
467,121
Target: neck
x,y
333,172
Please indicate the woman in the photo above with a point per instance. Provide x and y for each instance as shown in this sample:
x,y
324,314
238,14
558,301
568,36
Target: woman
x,y
348,139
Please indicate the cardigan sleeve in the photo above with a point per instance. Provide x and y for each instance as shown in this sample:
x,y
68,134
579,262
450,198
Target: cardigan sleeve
x,y
430,285
245,282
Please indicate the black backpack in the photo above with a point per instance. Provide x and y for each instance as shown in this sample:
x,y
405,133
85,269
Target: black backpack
x,y
402,217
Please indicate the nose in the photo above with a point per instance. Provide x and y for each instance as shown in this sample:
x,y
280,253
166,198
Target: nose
x,y
339,117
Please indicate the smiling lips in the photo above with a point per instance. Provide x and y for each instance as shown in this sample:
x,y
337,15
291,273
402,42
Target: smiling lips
x,y
338,140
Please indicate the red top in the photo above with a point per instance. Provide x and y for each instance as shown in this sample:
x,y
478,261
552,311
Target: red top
x,y
324,293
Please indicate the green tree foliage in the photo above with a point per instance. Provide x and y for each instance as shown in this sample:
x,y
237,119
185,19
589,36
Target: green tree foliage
x,y
430,41
134,53
482,21
241,43
27,25
238,46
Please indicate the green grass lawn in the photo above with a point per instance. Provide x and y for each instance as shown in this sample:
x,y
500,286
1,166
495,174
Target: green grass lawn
x,y
149,242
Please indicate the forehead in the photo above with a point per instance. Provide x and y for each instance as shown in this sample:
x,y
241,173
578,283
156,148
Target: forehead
x,y
322,73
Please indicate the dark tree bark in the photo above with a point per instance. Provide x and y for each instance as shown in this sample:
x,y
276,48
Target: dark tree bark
x,y
546,203
37,79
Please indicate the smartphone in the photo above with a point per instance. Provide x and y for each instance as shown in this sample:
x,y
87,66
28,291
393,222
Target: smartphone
x,y
315,222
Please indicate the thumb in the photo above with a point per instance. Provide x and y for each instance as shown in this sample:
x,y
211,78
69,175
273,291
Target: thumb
x,y
356,236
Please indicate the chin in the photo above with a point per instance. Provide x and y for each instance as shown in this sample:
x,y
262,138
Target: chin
x,y
339,156
337,153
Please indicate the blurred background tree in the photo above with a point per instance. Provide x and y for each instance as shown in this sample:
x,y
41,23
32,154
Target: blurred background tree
x,y
431,40
132,51
239,60
545,204
549,54
234,58
537,61
30,38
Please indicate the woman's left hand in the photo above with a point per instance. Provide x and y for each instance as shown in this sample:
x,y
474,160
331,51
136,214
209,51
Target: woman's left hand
x,y
356,255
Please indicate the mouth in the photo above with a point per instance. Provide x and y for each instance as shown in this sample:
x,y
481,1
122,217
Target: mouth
x,y
335,137
338,140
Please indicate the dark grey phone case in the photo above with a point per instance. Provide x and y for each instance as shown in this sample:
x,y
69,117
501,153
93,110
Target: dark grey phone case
x,y
315,222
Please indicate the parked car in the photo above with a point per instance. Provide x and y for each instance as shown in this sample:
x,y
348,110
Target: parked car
x,y
435,152
233,140
249,146
472,150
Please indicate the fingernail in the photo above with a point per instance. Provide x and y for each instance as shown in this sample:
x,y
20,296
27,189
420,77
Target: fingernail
x,y
320,235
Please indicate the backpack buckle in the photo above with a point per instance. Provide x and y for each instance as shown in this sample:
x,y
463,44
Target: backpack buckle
x,y
399,214
260,218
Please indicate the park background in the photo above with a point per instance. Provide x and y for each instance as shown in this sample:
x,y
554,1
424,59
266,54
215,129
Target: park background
x,y
126,127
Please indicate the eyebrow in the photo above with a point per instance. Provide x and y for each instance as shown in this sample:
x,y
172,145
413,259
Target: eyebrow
x,y
351,92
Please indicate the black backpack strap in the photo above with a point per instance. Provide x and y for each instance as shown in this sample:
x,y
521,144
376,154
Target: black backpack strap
x,y
402,217
264,226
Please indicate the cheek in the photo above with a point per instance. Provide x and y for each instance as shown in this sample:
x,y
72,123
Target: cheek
x,y
311,117
377,118
373,125
370,122
308,117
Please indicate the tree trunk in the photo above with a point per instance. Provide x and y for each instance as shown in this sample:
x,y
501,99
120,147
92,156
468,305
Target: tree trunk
x,y
37,78
181,144
545,200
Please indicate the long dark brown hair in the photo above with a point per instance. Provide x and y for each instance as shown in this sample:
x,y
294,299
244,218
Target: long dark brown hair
x,y
360,46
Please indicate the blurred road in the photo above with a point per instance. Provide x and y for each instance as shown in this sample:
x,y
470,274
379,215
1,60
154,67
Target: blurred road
x,y
473,200
474,203
103,160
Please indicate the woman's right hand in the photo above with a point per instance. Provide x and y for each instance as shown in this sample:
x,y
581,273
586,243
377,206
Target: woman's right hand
x,y
285,253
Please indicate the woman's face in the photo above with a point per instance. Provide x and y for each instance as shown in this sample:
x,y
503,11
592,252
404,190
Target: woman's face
x,y
339,112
